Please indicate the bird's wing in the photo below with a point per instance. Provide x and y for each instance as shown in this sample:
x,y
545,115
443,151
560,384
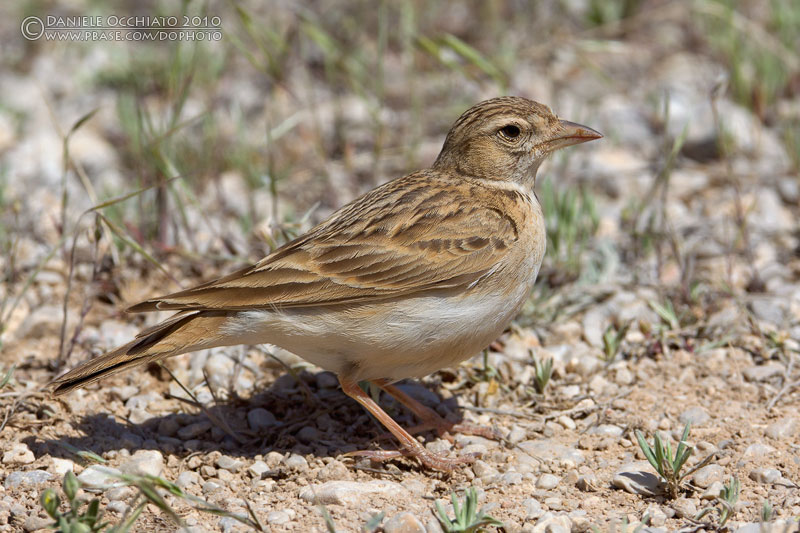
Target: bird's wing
x,y
414,234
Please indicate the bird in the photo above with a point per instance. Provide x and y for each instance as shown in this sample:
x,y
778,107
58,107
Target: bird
x,y
418,274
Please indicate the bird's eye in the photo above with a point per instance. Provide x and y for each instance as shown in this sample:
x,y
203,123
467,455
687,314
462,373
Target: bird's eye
x,y
510,132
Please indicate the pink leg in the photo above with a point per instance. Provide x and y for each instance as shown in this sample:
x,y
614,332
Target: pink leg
x,y
410,445
431,420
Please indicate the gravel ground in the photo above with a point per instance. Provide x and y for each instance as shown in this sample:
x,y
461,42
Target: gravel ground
x,y
680,304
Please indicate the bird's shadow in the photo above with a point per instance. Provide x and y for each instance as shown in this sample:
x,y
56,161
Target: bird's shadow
x,y
323,422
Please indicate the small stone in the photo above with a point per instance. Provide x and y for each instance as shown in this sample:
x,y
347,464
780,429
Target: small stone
x,y
96,478
547,482
124,393
404,523
36,523
550,523
758,449
533,509
19,454
117,506
516,435
27,479
552,452
697,416
194,430
296,462
566,422
210,487
608,430
229,463
350,492
766,476
713,491
61,466
707,475
657,517
260,419
763,372
308,434
144,462
684,508
277,518
257,469
511,478
588,482
483,470
636,479
335,470
327,380
187,478
598,384
783,429
168,427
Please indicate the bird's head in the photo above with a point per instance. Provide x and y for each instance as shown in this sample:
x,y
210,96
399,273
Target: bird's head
x,y
507,138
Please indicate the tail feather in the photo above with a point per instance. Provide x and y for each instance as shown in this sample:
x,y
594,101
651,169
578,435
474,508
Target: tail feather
x,y
184,332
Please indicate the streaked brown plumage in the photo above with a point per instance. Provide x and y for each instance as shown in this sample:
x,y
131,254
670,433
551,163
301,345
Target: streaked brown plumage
x,y
417,274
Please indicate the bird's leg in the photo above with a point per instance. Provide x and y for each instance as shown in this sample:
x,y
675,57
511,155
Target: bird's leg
x,y
430,419
410,445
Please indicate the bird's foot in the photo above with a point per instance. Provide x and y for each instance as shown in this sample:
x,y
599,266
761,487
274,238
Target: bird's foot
x,y
432,460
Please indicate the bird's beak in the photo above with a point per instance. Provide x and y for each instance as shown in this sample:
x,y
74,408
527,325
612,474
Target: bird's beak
x,y
570,133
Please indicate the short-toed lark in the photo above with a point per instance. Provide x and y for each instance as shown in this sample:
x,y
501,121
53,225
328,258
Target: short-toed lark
x,y
418,274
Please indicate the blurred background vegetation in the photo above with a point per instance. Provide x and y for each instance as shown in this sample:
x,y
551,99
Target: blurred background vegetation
x,y
238,145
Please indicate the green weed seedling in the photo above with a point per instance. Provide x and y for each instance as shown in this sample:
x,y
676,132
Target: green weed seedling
x,y
543,370
727,498
612,341
468,518
667,464
73,520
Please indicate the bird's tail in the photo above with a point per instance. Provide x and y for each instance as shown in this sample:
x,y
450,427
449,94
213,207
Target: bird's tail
x,y
184,332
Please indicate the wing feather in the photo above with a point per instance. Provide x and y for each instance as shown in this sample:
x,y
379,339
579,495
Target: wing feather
x,y
414,234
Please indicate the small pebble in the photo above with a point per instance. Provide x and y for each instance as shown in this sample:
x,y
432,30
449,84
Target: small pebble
x,y
516,435
277,518
187,478
194,430
483,470
19,454
707,475
713,491
766,476
98,478
404,523
326,380
257,469
696,415
588,482
547,482
260,419
637,478
350,492
144,462
30,478
209,487
684,508
308,434
533,509
296,462
783,429
229,463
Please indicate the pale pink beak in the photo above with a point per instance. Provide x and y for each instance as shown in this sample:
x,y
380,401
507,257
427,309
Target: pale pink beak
x,y
571,133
